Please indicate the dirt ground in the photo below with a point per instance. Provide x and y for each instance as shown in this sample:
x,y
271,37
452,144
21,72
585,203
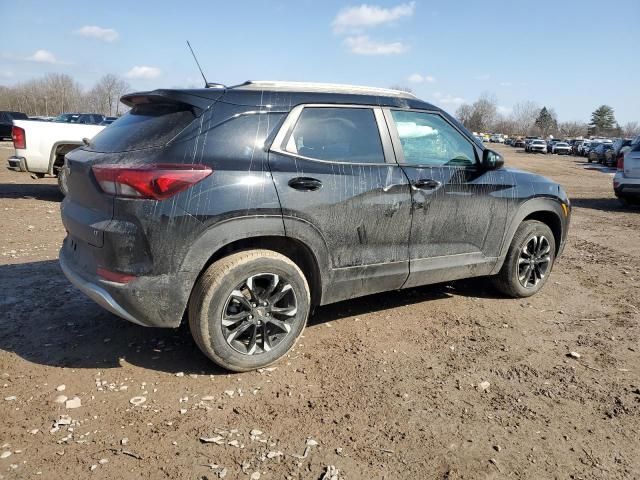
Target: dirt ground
x,y
388,386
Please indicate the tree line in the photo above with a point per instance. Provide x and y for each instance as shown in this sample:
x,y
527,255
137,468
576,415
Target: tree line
x,y
57,93
528,118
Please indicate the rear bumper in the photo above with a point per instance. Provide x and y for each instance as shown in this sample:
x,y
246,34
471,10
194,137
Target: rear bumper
x,y
625,186
148,300
19,164
96,293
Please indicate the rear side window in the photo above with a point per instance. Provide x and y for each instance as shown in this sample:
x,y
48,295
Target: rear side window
x,y
240,137
144,126
338,135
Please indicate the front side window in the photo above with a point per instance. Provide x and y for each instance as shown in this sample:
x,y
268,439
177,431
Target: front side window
x,y
427,139
337,134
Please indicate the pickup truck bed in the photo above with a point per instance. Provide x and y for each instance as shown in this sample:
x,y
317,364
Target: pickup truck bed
x,y
46,144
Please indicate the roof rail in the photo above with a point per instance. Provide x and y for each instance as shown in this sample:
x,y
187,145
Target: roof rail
x,y
323,87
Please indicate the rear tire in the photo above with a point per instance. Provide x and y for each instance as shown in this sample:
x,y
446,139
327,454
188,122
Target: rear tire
x,y
268,327
537,239
63,185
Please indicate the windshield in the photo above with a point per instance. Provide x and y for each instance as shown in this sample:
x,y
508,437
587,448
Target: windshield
x,y
65,117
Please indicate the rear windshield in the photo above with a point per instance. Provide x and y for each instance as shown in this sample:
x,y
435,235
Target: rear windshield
x,y
144,126
18,116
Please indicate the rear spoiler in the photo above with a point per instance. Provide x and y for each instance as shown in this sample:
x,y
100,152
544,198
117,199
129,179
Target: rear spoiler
x,y
196,99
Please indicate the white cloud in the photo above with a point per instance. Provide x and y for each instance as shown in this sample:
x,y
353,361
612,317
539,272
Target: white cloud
x,y
417,78
504,110
447,99
6,74
363,45
93,31
143,72
484,76
43,56
365,16
505,84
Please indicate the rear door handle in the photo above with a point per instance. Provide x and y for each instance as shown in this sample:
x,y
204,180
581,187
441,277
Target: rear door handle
x,y
426,184
305,184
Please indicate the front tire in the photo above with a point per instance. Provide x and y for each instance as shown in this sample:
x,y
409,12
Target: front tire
x,y
248,309
528,262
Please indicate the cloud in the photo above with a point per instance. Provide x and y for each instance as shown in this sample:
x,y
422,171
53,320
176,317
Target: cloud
x,y
504,110
505,84
43,56
93,31
447,99
143,72
363,45
417,78
355,19
484,76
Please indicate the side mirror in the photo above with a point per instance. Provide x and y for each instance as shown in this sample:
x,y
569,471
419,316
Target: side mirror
x,y
492,160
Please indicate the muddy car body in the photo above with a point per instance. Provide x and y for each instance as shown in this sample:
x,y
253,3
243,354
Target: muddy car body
x,y
319,193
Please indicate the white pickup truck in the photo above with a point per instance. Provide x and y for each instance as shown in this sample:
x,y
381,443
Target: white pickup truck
x,y
40,147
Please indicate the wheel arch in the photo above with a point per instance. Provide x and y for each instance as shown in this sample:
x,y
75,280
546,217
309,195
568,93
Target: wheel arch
x,y
55,152
303,245
547,210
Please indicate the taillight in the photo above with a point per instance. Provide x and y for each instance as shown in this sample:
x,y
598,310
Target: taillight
x,y
157,181
116,277
19,138
620,163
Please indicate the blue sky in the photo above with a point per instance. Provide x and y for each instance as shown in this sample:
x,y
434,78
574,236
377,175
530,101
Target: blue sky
x,y
567,55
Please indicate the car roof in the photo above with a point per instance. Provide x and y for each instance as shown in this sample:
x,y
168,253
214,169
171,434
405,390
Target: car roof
x,y
284,95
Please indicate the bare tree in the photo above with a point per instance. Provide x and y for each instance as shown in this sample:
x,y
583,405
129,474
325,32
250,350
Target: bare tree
x,y
631,129
524,116
572,129
481,115
104,97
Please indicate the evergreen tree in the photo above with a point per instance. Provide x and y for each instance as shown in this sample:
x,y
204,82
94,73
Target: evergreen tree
x,y
546,122
603,121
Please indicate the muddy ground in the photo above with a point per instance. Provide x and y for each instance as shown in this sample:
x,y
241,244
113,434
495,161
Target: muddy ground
x,y
389,386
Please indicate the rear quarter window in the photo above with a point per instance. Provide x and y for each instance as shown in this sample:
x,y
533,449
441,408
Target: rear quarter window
x,y
144,126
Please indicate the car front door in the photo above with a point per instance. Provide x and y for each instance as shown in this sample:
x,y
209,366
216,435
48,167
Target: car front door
x,y
459,209
334,170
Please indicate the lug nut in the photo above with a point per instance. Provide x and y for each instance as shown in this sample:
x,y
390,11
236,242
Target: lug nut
x,y
250,317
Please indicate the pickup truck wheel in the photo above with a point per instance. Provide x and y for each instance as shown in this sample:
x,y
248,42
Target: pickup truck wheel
x,y
529,260
62,182
248,309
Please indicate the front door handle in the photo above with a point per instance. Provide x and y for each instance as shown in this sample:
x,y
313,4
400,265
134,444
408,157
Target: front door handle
x,y
305,184
426,184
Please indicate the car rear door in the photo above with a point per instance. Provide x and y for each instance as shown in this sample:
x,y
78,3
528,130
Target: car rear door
x,y
334,170
459,209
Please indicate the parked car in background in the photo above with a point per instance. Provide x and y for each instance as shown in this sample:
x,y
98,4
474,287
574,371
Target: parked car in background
x,y
626,182
561,148
519,143
587,147
108,121
509,141
333,193
6,123
620,147
537,146
82,118
496,138
596,155
40,147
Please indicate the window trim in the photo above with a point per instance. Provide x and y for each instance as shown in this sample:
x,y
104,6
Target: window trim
x,y
286,130
397,144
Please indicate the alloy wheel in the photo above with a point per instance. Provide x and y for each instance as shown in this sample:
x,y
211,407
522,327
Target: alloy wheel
x,y
534,261
259,313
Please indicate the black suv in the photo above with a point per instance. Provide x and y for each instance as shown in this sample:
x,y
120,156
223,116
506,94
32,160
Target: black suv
x,y
6,122
241,208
